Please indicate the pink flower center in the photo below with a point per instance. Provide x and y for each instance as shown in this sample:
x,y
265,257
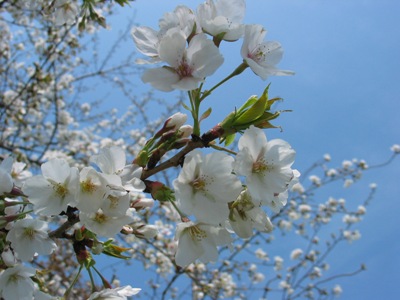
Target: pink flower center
x,y
184,70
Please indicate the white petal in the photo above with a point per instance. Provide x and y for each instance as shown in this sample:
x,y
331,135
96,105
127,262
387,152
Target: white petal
x,y
173,47
146,40
56,169
161,78
188,250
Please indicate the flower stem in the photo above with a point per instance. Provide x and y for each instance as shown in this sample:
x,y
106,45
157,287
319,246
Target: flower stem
x,y
183,216
73,282
212,145
236,72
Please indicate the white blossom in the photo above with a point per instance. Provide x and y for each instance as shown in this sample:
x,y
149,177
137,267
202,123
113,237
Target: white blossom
x,y
6,182
296,254
66,12
103,224
346,164
278,263
55,189
246,215
261,56
92,190
351,236
187,67
112,161
395,148
29,236
19,173
222,18
119,293
348,182
337,290
327,157
199,241
205,185
15,283
266,165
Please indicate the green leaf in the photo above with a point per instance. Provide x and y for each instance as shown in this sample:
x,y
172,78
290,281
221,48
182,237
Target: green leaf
x,y
229,139
206,114
253,113
186,107
248,103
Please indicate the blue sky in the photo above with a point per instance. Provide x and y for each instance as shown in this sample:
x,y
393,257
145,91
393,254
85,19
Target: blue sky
x,y
345,101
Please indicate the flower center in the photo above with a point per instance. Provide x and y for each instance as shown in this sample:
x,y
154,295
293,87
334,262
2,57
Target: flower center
x,y
184,70
100,218
88,186
199,184
60,190
113,201
260,166
259,54
196,233
29,233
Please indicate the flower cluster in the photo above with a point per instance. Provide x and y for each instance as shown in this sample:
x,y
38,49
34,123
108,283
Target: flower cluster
x,y
209,188
223,193
99,198
182,43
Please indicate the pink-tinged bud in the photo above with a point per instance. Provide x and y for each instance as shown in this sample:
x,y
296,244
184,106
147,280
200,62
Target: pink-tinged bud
x,y
159,191
172,123
142,203
185,131
146,231
175,121
127,229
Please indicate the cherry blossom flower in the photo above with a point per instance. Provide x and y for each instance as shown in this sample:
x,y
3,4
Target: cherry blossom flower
x,y
199,241
92,190
15,283
66,12
120,293
6,182
222,18
112,161
246,215
259,55
29,236
183,18
55,189
104,224
205,185
19,174
266,165
147,40
187,67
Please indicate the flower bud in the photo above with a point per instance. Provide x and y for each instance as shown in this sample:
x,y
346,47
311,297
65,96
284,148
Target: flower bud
x,y
142,203
146,231
172,123
185,131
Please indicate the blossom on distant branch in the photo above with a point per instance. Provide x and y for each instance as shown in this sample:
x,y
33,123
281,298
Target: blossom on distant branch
x,y
6,182
66,12
120,293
